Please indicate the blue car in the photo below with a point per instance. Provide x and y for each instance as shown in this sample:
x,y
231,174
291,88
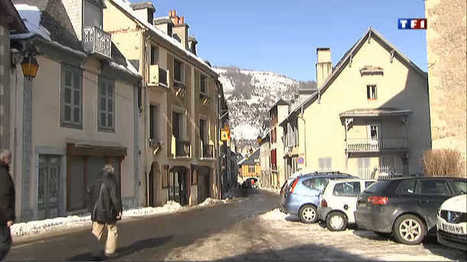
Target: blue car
x,y
301,198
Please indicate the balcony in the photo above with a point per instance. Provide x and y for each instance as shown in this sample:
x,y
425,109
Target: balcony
x,y
181,149
207,151
365,145
96,41
157,76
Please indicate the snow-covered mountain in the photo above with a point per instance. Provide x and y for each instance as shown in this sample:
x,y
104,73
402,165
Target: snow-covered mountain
x,y
250,94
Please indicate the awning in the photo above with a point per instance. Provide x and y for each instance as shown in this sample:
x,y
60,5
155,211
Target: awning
x,y
378,112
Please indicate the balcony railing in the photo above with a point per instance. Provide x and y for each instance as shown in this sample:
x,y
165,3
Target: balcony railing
x,y
207,151
96,41
182,149
362,145
157,76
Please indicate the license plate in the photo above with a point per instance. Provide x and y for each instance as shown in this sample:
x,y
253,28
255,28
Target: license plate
x,y
455,229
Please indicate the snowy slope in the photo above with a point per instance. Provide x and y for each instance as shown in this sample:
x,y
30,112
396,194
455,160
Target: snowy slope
x,y
250,94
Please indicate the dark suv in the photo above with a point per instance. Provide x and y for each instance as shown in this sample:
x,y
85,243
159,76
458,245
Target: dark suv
x,y
405,207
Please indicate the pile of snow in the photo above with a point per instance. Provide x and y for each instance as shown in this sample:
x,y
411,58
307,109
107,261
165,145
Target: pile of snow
x,y
170,207
275,214
53,224
63,223
210,202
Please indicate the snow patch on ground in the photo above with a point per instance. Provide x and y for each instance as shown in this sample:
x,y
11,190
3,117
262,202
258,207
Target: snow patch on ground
x,y
170,207
64,223
273,215
211,201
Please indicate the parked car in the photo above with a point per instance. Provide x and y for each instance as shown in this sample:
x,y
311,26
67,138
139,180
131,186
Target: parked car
x,y
405,207
302,197
250,183
452,222
339,202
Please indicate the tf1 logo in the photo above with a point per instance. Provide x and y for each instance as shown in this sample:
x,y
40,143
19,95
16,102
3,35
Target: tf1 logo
x,y
412,23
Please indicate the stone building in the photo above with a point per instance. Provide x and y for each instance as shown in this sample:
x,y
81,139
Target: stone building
x,y
446,50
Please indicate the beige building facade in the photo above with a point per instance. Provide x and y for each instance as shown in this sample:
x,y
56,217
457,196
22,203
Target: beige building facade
x,y
277,114
180,103
76,115
370,115
446,49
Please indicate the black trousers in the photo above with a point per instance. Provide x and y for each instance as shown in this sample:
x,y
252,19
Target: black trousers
x,y
5,241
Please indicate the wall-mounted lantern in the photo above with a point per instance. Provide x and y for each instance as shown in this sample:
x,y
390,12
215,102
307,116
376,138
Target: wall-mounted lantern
x,y
30,67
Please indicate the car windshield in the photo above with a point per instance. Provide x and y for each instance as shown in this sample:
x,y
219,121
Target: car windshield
x,y
318,183
459,186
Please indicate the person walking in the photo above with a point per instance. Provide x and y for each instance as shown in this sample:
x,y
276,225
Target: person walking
x,y
106,208
7,203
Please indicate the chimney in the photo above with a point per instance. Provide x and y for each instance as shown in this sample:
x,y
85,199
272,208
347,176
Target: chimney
x,y
180,29
144,11
192,44
323,65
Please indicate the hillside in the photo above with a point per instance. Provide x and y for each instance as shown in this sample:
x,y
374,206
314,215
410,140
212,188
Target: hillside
x,y
250,94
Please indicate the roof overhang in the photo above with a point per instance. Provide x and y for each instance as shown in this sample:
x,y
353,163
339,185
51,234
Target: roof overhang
x,y
378,112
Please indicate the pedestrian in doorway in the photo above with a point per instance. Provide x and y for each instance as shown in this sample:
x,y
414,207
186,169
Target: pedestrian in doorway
x,y
7,203
106,208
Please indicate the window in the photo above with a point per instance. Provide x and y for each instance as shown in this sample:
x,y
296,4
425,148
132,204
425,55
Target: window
x,y
106,105
433,187
371,92
202,131
406,187
178,126
203,85
369,183
459,186
373,132
251,169
273,159
179,72
325,163
92,14
347,189
154,55
316,183
71,98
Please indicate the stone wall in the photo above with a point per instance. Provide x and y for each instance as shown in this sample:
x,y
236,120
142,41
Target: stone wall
x,y
446,44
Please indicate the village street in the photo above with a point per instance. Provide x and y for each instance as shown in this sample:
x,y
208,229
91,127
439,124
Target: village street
x,y
248,228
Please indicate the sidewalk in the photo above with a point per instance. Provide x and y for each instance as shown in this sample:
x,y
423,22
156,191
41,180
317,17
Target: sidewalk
x,y
34,230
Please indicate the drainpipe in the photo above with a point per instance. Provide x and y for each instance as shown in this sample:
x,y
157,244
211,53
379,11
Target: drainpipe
x,y
304,132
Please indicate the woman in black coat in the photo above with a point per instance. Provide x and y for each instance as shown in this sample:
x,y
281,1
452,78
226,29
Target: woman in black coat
x,y
7,203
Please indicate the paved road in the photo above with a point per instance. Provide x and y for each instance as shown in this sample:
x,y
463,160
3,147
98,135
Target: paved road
x,y
151,238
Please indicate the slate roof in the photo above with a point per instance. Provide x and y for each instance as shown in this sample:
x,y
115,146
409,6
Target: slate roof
x,y
142,5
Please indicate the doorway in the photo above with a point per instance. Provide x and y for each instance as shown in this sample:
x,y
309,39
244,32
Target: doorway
x,y
49,186
178,190
203,183
153,184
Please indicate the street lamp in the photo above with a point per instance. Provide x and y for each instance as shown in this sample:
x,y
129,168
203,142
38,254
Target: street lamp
x,y
30,67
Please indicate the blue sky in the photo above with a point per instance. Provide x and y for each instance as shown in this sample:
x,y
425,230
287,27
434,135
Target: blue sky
x,y
282,36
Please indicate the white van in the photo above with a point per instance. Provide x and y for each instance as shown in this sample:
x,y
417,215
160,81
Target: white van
x,y
339,202
452,222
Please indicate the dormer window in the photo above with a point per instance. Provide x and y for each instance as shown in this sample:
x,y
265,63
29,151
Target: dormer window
x,y
92,13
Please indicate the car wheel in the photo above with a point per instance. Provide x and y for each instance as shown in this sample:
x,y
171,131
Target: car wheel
x,y
409,230
336,221
308,214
